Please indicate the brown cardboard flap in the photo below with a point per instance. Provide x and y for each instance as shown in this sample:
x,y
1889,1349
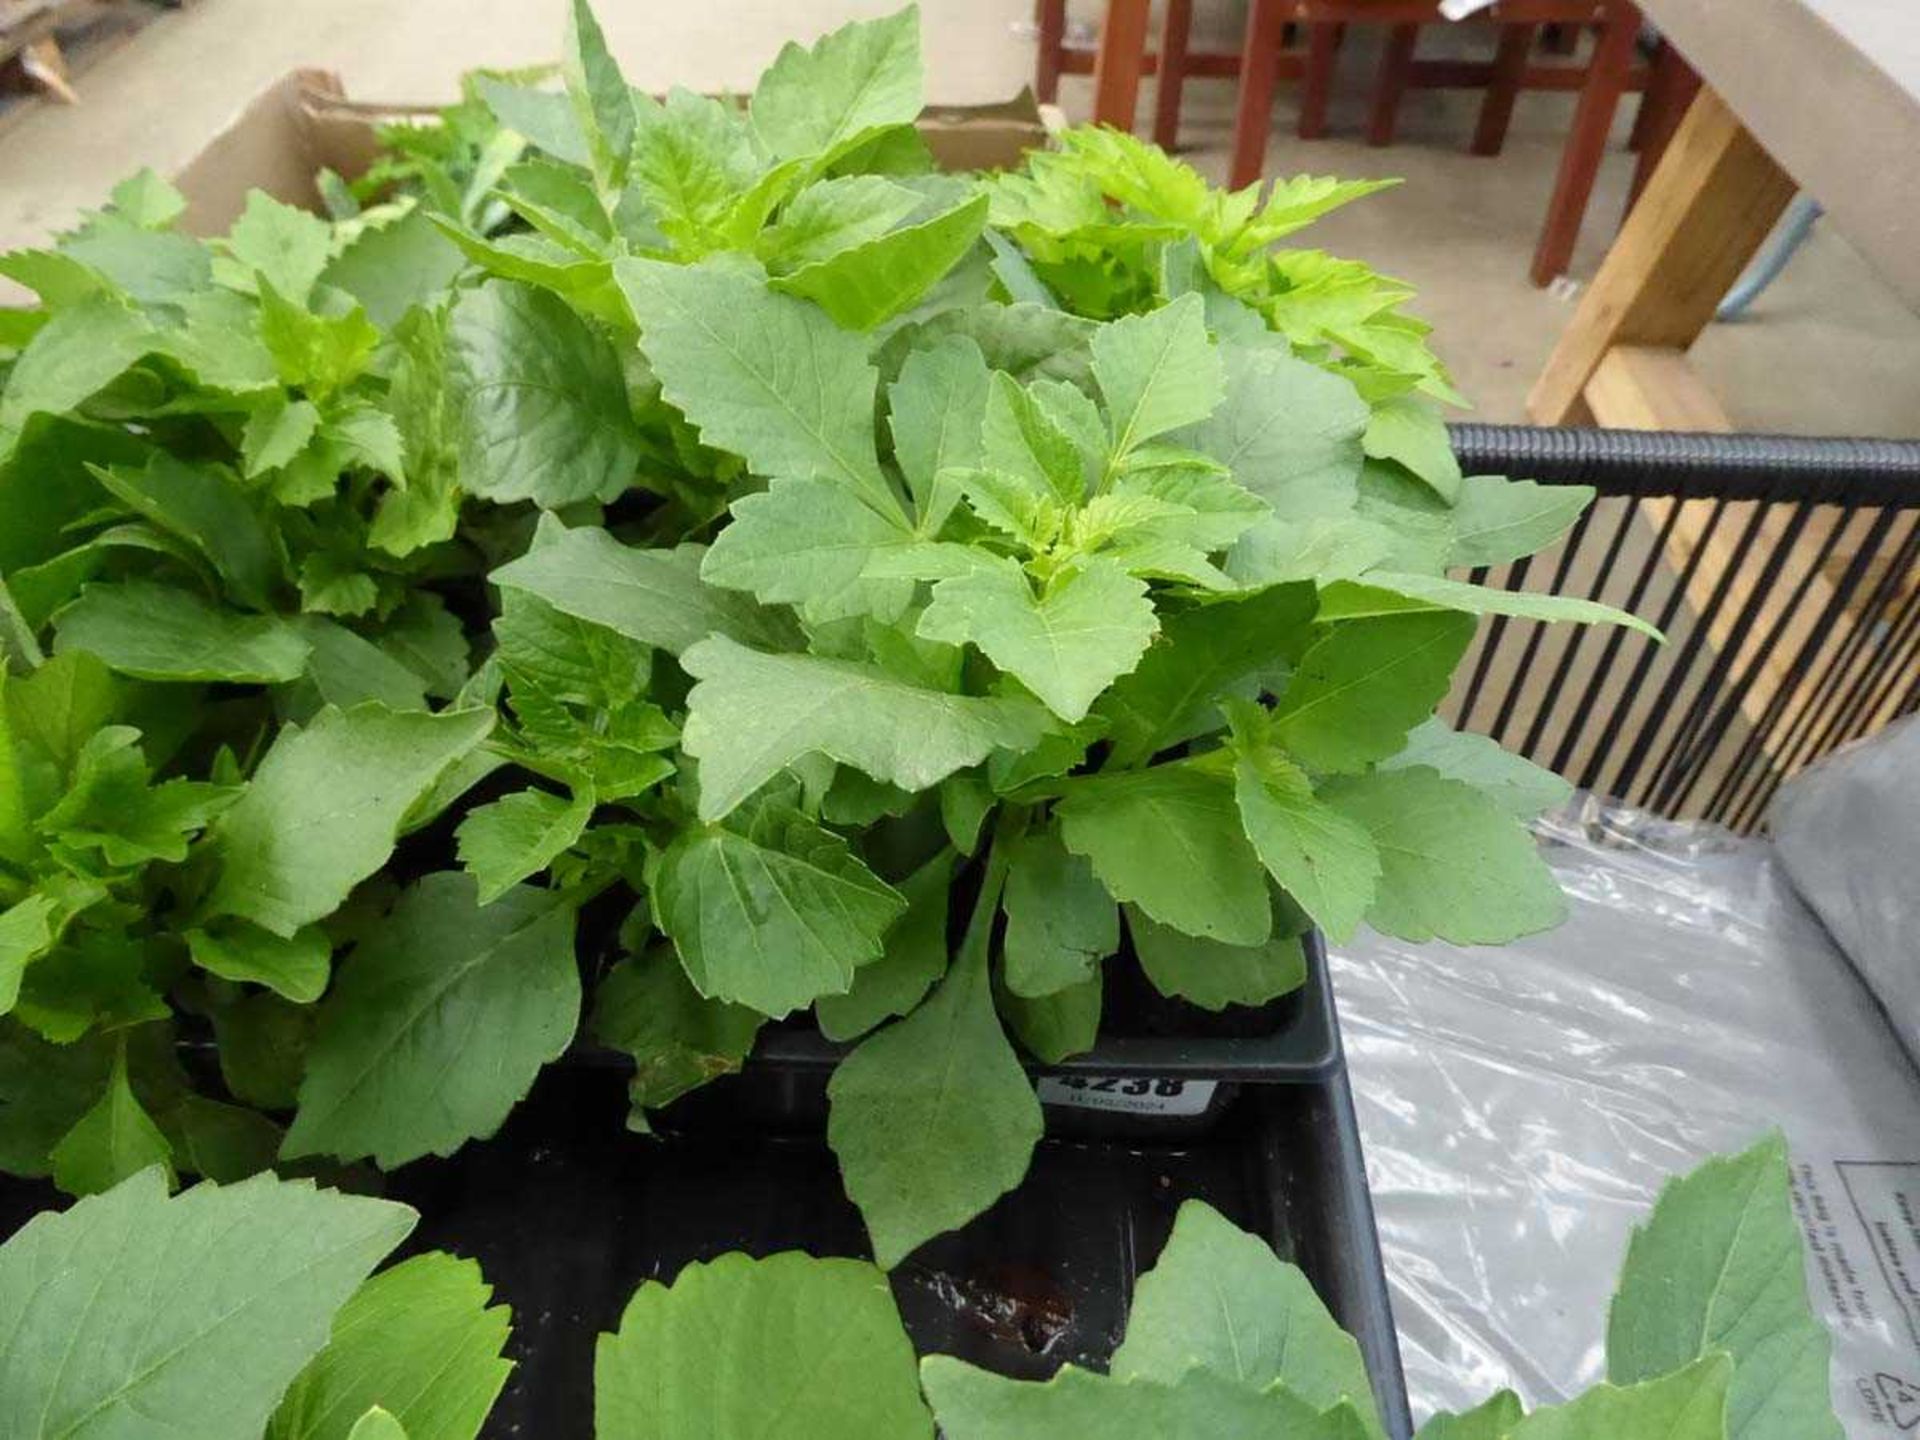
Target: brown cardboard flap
x,y
304,122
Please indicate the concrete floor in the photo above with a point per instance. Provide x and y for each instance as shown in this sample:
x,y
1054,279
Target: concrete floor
x,y
1828,350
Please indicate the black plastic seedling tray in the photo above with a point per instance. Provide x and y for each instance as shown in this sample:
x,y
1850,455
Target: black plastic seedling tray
x,y
568,1213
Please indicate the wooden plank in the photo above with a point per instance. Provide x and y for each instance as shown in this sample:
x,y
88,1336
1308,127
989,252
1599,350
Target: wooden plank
x,y
1644,387
1706,211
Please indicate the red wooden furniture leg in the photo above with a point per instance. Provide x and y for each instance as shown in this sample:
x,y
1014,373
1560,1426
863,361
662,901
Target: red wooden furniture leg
x,y
1509,72
1396,66
1176,27
1587,141
1117,66
1671,87
1316,86
1050,19
1259,70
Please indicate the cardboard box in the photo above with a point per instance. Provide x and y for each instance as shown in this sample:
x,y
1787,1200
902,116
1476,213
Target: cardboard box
x,y
304,122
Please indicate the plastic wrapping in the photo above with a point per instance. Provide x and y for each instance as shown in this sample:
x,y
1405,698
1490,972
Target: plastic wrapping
x,y
1521,1106
1848,834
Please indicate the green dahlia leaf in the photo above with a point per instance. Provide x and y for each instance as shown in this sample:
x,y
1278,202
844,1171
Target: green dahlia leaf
x,y
297,966
1453,864
542,404
822,101
194,1313
871,282
1218,1299
830,217
1365,683
203,505
692,157
1288,430
438,1023
913,956
1088,625
1201,655
1514,783
1324,859
285,245
420,1343
159,632
1061,922
1412,433
1719,1268
77,353
654,596
974,1404
808,543
1495,1419
325,807
602,103
752,715
821,1340
933,1118
772,915
112,1142
766,376
1212,975
547,119
1496,520
1690,1404
679,1039
517,836
377,1424
1157,372
1382,593
1053,1027
1169,840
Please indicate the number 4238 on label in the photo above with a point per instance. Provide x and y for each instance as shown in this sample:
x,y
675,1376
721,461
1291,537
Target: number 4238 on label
x,y
1133,1094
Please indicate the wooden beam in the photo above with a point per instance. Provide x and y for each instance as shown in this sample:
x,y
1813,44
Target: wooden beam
x,y
1706,211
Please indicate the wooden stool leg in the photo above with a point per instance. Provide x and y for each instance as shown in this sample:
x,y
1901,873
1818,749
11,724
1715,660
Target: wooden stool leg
x,y
1117,66
1176,28
1050,19
1671,88
1706,212
1396,65
1259,70
1587,140
1316,87
1509,71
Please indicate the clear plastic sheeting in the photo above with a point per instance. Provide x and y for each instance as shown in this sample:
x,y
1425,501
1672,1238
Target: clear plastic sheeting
x,y
1522,1105
1848,834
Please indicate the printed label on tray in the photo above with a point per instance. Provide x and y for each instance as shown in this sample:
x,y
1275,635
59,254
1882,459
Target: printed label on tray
x,y
1129,1094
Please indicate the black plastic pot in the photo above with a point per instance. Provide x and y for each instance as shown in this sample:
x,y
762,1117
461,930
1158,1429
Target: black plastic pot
x,y
1161,1068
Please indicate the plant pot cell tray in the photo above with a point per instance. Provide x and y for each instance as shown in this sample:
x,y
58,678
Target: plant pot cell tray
x,y
567,1213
